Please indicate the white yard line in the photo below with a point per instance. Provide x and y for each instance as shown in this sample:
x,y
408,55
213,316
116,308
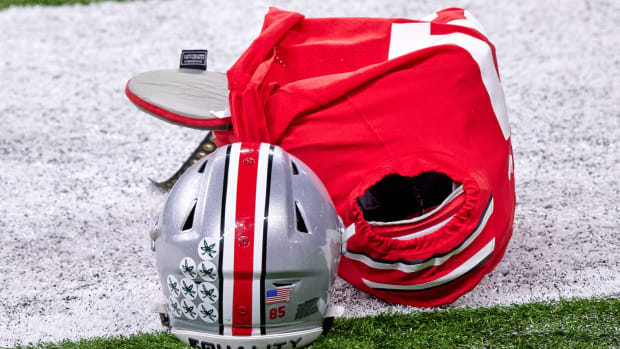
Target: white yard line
x,y
75,155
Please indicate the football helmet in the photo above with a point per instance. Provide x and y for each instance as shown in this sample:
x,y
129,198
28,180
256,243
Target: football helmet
x,y
247,248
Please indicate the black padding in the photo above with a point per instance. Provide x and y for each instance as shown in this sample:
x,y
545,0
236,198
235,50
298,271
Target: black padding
x,y
396,197
433,187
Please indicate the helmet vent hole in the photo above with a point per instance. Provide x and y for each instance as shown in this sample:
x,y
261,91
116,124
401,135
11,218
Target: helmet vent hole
x,y
189,221
301,224
202,167
282,284
295,169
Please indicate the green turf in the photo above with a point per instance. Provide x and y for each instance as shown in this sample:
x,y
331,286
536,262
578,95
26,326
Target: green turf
x,y
7,3
580,323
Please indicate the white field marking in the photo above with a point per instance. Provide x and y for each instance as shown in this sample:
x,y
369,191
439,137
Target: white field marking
x,y
462,269
410,37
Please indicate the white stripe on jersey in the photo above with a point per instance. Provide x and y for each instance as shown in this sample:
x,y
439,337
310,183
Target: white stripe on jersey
x,y
462,269
410,37
259,215
412,268
228,265
425,231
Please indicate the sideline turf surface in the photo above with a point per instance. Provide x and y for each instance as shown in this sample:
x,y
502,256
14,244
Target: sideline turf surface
x,y
7,3
581,323
584,323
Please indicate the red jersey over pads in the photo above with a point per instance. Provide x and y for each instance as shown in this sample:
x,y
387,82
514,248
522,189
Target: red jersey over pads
x,y
361,99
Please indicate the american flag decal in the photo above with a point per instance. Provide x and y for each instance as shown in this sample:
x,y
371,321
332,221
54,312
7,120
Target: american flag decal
x,y
279,295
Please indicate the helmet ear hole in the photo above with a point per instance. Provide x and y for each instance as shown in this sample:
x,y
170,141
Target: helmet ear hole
x,y
301,223
189,221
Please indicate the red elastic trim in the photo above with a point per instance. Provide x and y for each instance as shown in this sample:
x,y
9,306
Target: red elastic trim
x,y
440,241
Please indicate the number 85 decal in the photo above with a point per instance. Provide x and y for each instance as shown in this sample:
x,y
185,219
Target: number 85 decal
x,y
277,313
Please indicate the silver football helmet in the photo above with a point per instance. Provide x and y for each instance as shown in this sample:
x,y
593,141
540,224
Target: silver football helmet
x,y
247,248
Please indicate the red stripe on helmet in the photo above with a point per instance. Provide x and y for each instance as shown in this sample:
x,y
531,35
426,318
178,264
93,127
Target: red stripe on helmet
x,y
244,240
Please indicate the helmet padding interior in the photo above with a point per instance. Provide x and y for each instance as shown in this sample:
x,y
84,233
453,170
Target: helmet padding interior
x,y
397,197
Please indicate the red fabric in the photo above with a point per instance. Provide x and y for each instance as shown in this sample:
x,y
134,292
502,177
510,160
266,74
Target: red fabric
x,y
405,229
223,138
325,90
449,14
